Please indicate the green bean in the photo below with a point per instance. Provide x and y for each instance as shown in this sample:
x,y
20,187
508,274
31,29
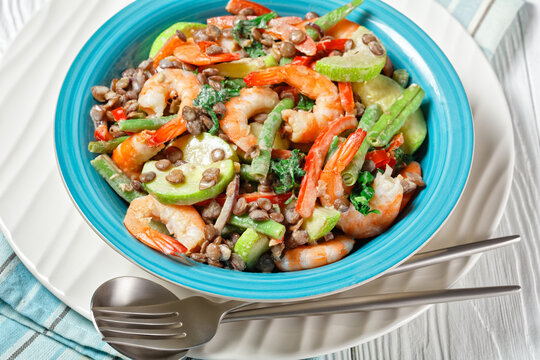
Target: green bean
x,y
332,149
120,183
245,172
261,164
267,227
391,121
330,19
401,76
351,172
105,147
136,125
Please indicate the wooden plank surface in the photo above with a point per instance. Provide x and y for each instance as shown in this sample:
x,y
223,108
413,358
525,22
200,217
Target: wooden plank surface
x,y
500,328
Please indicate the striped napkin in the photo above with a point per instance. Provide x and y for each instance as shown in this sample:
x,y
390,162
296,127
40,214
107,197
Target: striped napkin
x,y
34,324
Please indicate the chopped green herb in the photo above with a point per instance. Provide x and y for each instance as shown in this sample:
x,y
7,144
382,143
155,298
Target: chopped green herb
x,y
401,156
242,30
209,96
362,193
305,103
288,171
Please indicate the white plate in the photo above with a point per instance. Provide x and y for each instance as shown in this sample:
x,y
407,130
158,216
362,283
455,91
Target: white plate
x,y
60,249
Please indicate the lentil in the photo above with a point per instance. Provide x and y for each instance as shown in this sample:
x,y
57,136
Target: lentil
x,y
240,207
215,84
287,49
212,211
341,205
175,177
264,204
202,78
367,38
349,45
217,154
209,178
200,35
253,152
237,262
291,216
99,92
388,68
360,108
247,11
265,263
311,15
210,232
376,48
317,28
210,71
208,123
115,131
213,253
188,67
260,118
277,217
227,33
194,127
297,36
266,40
264,188
224,252
214,50
298,237
219,108
146,64
136,185
181,35
259,215
169,63
215,263
188,114
147,177
97,113
199,257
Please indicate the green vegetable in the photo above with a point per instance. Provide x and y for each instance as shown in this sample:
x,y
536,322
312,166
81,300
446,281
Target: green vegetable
x,y
392,120
242,33
370,117
267,227
333,147
105,147
362,193
209,96
188,192
401,76
321,222
385,91
285,61
120,183
288,171
261,164
245,172
186,27
250,246
136,125
304,103
333,17
357,64
197,149
279,142
243,67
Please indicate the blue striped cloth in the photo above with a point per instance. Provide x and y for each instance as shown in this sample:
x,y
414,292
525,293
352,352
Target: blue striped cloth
x,y
34,324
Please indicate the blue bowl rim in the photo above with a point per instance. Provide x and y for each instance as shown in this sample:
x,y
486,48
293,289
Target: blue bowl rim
x,y
268,286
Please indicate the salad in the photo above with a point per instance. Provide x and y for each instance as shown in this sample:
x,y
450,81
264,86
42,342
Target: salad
x,y
261,142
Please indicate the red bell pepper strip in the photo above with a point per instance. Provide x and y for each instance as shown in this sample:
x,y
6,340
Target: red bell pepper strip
x,y
235,6
278,199
119,114
303,60
329,45
102,133
281,154
346,97
307,195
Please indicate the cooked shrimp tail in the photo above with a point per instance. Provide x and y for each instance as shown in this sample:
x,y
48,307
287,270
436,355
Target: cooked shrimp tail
x,y
312,256
184,222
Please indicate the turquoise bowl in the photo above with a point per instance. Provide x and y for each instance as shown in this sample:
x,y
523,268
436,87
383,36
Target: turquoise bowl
x,y
446,156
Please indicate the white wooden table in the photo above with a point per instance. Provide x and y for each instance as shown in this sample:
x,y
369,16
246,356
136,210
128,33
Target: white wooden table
x,y
499,328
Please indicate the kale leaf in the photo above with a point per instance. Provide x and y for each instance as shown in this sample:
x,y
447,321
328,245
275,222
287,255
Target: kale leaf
x,y
288,171
242,30
209,96
304,103
362,194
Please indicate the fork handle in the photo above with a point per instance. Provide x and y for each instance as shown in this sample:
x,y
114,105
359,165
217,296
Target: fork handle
x,y
369,303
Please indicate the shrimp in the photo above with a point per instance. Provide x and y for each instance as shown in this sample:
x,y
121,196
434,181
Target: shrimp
x,y
184,222
303,126
252,101
387,200
312,256
132,153
159,89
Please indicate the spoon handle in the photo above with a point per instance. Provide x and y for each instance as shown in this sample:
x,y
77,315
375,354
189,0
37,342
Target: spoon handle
x,y
369,303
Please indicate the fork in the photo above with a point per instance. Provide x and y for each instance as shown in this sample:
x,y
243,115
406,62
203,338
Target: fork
x,y
167,327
